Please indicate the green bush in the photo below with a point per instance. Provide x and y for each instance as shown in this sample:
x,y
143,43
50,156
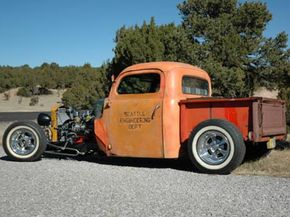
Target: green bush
x,y
24,91
44,91
34,101
285,95
7,96
80,97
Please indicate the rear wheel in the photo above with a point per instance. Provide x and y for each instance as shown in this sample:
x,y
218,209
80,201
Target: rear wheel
x,y
216,146
24,141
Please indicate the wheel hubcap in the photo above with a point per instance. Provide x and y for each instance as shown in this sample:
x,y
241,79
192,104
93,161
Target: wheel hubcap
x,y
23,141
213,147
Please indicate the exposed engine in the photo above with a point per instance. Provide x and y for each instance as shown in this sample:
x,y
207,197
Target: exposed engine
x,y
68,129
73,125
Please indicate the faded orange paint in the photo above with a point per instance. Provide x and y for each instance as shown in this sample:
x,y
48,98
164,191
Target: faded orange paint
x,y
160,137
102,137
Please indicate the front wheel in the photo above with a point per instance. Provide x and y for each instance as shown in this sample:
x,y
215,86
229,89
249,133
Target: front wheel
x,y
24,141
216,146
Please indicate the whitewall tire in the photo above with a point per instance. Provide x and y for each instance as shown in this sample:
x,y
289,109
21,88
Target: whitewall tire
x,y
216,146
24,141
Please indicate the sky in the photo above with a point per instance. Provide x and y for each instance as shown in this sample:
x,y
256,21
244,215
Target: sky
x,y
75,32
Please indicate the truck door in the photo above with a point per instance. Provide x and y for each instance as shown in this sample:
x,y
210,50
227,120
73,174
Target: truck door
x,y
136,115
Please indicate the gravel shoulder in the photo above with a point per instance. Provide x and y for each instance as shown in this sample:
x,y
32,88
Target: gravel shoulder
x,y
54,187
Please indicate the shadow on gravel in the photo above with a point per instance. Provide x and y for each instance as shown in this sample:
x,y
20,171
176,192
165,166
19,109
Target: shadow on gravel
x,y
178,164
281,145
253,154
6,158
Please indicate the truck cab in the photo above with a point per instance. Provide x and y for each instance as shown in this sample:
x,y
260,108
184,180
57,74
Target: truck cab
x,y
141,116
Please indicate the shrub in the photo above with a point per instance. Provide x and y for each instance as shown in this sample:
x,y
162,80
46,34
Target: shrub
x,y
80,97
24,91
44,91
34,100
285,95
7,96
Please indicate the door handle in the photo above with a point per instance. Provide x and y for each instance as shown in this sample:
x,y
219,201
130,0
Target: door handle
x,y
154,111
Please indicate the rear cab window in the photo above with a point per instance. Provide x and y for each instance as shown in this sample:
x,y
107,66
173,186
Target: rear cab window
x,y
139,84
195,86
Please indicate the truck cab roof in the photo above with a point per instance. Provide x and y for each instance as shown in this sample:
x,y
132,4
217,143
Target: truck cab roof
x,y
163,66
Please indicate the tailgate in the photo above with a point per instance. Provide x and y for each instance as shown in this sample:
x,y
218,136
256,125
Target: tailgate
x,y
269,118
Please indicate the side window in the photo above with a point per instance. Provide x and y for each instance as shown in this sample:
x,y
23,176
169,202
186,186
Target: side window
x,y
140,83
195,86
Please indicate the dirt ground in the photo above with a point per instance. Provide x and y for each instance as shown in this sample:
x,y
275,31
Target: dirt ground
x,y
21,104
277,163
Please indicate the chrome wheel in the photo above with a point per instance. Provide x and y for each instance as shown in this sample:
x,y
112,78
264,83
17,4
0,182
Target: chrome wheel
x,y
23,141
216,146
213,147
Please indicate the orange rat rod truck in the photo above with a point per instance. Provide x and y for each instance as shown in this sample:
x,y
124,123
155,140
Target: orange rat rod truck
x,y
156,110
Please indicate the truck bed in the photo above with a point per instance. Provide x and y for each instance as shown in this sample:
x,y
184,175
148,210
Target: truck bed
x,y
258,119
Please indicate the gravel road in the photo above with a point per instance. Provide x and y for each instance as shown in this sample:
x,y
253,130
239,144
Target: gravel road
x,y
127,187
